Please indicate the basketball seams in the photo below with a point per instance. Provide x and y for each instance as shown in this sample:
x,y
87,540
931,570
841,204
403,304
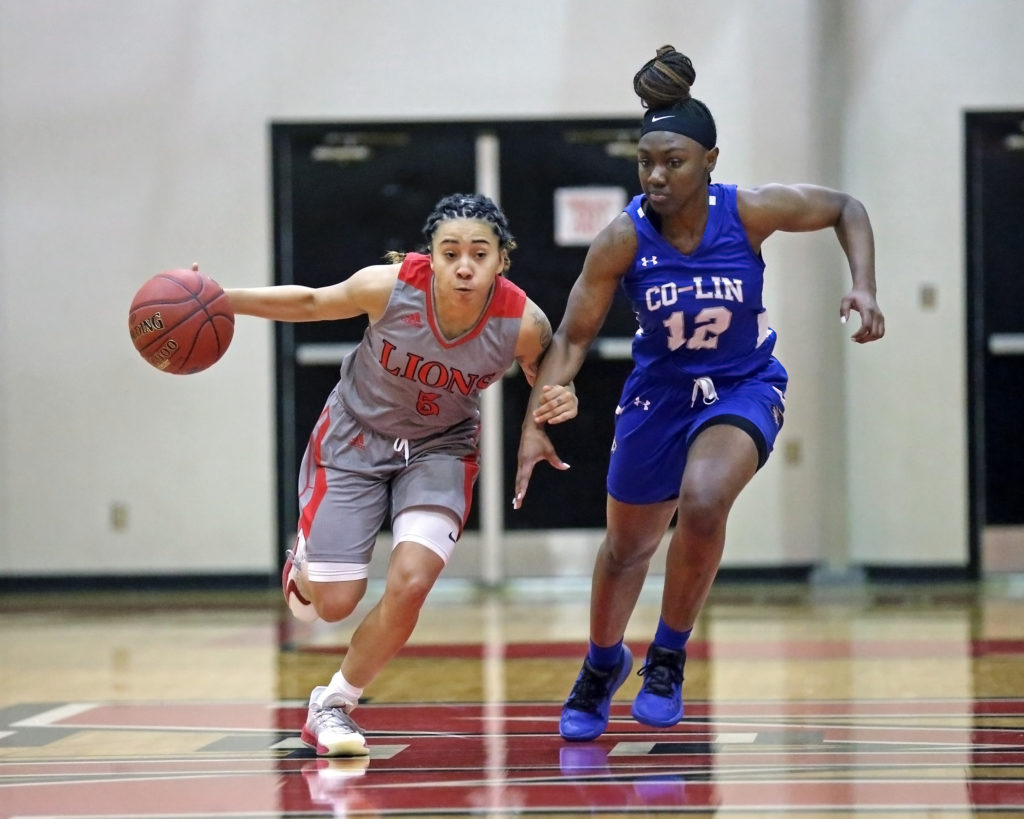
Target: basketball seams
x,y
208,323
166,298
186,319
195,327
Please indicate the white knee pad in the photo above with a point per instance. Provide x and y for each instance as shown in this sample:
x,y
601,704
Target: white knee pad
x,y
435,528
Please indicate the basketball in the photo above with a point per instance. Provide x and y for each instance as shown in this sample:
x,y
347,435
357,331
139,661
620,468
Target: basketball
x,y
181,321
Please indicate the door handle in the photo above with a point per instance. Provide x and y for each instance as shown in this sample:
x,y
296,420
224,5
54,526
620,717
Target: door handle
x,y
1006,344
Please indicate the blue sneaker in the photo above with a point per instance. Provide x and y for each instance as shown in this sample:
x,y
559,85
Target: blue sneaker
x,y
659,703
585,713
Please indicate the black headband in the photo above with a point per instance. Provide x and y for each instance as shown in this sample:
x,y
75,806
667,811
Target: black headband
x,y
691,118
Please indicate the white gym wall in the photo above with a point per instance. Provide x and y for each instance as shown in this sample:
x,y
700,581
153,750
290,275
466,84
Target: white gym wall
x,y
134,138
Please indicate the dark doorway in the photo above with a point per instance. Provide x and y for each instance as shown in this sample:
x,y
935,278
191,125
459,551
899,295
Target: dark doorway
x,y
345,193
995,295
569,169
343,196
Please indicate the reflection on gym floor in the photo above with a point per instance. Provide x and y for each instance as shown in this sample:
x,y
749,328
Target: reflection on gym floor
x,y
876,699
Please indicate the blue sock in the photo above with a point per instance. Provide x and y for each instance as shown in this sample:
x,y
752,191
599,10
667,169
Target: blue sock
x,y
670,638
604,658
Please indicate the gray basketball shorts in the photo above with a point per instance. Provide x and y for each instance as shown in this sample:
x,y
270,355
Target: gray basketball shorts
x,y
351,477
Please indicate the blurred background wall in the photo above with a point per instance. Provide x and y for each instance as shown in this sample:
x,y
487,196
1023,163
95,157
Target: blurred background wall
x,y
134,138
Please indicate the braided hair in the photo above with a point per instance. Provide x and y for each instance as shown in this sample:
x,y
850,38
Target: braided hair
x,y
466,206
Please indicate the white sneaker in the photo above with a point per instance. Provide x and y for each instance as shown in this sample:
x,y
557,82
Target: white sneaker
x,y
331,731
293,563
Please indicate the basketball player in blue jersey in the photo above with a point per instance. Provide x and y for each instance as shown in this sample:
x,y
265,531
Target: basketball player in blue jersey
x,y
699,414
399,434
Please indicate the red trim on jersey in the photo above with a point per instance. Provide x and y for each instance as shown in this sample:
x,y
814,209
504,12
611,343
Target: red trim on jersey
x,y
416,271
471,468
507,301
319,479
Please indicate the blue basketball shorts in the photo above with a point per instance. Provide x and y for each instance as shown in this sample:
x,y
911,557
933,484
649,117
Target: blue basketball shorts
x,y
656,421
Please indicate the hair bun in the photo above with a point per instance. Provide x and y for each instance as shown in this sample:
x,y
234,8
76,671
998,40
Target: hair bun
x,y
665,79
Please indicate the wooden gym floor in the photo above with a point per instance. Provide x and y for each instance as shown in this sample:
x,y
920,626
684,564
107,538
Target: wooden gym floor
x,y
878,700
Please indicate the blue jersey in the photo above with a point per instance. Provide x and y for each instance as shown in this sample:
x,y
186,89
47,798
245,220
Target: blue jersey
x,y
700,314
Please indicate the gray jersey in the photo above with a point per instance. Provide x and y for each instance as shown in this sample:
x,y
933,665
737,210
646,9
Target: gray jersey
x,y
406,380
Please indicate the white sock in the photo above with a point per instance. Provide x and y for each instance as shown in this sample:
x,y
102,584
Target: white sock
x,y
340,693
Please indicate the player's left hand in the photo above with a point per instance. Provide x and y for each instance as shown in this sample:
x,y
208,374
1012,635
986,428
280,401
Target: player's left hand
x,y
557,404
872,322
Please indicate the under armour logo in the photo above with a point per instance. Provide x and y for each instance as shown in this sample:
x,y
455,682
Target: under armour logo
x,y
638,402
645,261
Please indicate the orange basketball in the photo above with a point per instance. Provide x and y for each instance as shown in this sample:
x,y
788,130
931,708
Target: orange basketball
x,y
181,321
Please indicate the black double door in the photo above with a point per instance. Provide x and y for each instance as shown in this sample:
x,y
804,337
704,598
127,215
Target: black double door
x,y
995,225
346,193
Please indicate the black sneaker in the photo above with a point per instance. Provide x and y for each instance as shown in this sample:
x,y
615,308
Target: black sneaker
x,y
659,703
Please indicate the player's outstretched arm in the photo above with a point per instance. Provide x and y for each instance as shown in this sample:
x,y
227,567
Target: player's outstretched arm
x,y
365,292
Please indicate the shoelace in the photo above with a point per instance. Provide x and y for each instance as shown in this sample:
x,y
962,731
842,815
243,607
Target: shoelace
x,y
323,718
590,689
662,672
297,559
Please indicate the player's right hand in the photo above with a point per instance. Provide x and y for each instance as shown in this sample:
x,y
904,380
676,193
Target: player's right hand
x,y
872,322
534,446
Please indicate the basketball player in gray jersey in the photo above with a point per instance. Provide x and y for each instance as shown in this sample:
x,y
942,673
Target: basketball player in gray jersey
x,y
399,434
